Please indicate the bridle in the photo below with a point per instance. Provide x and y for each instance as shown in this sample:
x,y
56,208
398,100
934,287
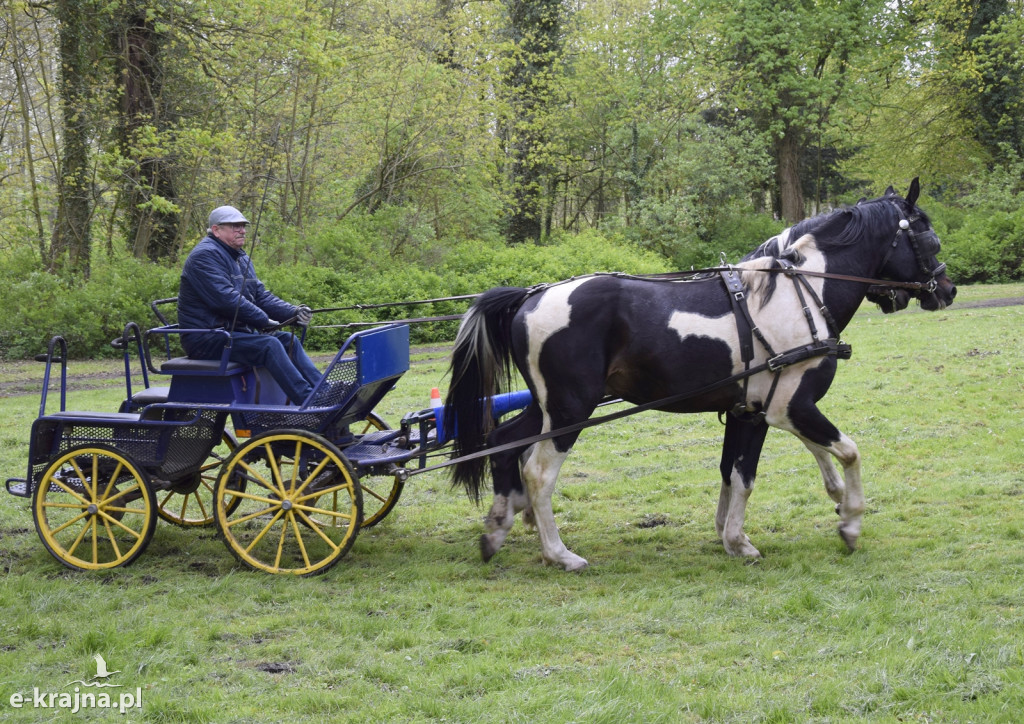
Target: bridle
x,y
919,243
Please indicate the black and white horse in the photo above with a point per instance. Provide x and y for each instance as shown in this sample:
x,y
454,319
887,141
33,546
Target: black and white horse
x,y
760,343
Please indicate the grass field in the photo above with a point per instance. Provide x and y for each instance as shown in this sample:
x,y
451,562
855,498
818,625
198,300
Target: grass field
x,y
922,624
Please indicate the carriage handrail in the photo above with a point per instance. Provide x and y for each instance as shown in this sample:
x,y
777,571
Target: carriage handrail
x,y
153,305
123,343
175,329
49,360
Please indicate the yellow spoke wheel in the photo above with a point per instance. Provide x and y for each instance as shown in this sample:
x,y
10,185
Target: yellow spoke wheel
x,y
190,504
380,494
94,508
301,508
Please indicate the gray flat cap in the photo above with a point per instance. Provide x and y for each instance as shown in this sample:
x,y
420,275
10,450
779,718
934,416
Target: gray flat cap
x,y
227,215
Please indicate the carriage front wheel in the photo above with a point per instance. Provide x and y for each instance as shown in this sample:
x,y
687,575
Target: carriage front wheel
x,y
94,508
301,506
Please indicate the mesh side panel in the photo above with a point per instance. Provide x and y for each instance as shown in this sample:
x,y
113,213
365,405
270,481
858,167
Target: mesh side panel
x,y
260,421
339,380
190,445
134,440
168,449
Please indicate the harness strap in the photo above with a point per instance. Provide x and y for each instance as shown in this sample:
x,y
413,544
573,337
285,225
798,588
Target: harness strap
x,y
776,362
744,324
746,330
826,347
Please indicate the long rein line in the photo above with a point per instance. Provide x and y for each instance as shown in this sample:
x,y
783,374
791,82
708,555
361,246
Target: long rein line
x,y
695,275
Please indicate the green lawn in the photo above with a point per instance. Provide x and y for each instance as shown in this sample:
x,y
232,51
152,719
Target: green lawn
x,y
922,623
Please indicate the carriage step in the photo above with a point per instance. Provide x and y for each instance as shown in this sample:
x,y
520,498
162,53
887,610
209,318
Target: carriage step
x,y
381,447
19,487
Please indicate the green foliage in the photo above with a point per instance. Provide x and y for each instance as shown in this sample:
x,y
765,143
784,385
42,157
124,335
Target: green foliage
x,y
983,235
88,313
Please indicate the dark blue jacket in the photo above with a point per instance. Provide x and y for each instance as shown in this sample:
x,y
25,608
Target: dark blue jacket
x,y
219,287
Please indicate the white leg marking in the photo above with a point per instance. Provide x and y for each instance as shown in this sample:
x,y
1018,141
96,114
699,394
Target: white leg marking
x,y
735,540
723,508
834,485
499,522
851,495
540,470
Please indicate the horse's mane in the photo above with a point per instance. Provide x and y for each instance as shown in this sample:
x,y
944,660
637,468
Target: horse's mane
x,y
831,230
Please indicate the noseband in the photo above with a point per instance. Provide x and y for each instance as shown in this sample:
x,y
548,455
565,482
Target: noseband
x,y
920,242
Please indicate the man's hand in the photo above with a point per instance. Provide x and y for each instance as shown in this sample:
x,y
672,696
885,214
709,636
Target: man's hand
x,y
303,315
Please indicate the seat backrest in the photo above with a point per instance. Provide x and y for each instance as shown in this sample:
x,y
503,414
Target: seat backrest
x,y
381,356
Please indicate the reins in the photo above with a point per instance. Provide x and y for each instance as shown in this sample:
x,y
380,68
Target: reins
x,y
695,275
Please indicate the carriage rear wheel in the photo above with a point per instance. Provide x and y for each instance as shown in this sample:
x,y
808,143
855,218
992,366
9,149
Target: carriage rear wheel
x,y
302,506
94,508
190,504
380,494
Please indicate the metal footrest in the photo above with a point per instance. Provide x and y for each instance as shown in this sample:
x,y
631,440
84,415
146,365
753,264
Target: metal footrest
x,y
18,487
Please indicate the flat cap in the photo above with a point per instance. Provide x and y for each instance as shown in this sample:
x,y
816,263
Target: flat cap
x,y
227,215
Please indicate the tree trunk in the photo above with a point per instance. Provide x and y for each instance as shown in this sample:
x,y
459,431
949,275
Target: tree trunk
x,y
152,224
71,237
26,125
535,28
791,194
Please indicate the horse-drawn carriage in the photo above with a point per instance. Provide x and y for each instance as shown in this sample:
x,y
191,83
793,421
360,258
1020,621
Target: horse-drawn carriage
x,y
288,487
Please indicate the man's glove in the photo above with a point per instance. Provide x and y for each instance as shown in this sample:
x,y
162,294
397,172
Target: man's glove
x,y
303,315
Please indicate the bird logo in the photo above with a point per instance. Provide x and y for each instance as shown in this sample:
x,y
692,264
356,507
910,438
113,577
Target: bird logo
x,y
102,674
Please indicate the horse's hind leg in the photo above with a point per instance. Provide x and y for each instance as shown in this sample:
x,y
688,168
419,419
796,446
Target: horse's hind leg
x,y
509,495
540,471
741,452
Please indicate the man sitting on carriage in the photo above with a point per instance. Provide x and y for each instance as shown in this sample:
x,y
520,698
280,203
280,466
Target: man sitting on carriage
x,y
220,290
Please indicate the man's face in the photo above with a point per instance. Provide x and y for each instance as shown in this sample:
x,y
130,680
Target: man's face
x,y
231,234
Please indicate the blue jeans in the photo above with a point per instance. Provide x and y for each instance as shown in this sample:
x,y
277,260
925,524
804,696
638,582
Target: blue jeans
x,y
295,374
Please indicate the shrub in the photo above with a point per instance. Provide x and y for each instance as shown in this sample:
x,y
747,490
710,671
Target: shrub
x,y
88,313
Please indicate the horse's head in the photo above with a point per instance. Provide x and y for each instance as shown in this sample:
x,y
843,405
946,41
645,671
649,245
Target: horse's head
x,y
912,256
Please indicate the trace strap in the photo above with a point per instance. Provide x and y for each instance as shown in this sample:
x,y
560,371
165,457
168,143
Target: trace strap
x,y
825,347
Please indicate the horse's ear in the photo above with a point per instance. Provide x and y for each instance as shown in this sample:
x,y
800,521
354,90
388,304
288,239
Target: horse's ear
x,y
890,192
862,200
914,193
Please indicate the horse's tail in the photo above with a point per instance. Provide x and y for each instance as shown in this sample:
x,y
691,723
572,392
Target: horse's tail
x,y
481,367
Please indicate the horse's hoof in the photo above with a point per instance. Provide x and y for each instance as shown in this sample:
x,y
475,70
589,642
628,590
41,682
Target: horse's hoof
x,y
741,549
580,564
487,548
849,539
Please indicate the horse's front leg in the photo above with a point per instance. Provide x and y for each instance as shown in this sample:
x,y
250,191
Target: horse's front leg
x,y
823,438
850,497
834,485
540,471
741,452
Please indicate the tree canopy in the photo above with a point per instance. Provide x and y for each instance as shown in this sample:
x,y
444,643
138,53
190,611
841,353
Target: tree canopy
x,y
393,129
